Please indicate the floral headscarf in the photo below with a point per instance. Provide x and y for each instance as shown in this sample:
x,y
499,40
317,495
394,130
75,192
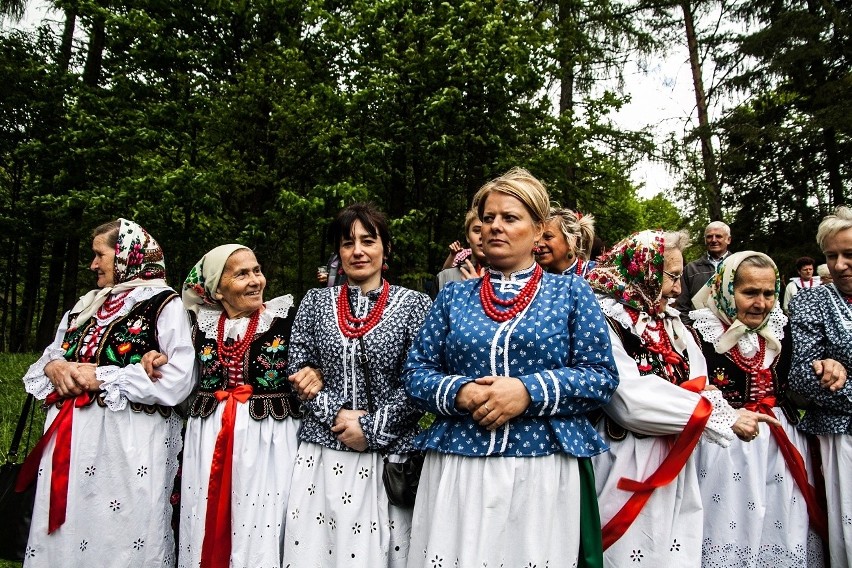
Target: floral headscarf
x,y
632,272
137,255
717,296
139,262
199,288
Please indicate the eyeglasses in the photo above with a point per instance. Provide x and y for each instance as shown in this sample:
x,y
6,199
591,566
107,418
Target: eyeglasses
x,y
674,277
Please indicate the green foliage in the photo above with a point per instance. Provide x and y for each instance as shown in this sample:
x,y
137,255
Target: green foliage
x,y
256,122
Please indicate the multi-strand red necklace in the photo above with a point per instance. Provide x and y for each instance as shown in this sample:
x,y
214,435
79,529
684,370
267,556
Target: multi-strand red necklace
x,y
353,327
580,266
231,356
112,305
753,364
511,307
674,365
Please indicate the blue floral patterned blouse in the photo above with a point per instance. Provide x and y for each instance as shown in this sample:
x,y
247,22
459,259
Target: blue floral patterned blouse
x,y
558,347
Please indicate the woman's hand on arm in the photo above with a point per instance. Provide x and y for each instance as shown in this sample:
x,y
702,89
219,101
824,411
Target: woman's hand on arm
x,y
832,375
347,427
59,372
84,374
307,381
150,361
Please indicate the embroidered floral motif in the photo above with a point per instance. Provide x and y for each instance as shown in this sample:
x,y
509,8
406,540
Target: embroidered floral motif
x,y
720,377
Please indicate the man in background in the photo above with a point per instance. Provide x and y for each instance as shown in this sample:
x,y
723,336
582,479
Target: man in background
x,y
717,239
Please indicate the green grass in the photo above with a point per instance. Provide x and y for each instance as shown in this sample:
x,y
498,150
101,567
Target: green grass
x,y
12,395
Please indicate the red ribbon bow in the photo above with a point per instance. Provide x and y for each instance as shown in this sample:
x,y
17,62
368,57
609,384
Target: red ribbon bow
x,y
62,428
216,548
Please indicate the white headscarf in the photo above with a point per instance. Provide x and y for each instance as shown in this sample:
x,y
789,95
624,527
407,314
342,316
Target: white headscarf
x,y
199,288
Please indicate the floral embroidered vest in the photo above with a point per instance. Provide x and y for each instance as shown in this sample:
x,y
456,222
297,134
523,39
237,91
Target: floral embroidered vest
x,y
126,339
123,342
264,368
648,363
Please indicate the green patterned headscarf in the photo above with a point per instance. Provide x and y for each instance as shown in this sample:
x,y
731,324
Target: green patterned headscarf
x,y
632,272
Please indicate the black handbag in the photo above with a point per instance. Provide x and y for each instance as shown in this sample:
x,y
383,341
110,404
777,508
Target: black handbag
x,y
16,509
400,479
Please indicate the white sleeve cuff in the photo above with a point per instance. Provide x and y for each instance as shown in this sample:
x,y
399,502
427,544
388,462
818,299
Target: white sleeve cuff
x,y
36,382
722,417
113,397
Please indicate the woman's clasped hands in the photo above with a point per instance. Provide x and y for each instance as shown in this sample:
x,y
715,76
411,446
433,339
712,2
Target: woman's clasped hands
x,y
493,401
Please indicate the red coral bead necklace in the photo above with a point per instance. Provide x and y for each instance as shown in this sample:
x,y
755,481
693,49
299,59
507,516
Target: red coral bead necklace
x,y
353,327
231,356
513,306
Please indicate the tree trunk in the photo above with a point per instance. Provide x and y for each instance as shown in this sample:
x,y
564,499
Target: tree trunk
x,y
32,280
832,165
52,292
711,178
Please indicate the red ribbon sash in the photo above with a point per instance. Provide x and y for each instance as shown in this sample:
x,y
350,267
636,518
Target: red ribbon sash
x,y
216,548
796,465
666,473
61,459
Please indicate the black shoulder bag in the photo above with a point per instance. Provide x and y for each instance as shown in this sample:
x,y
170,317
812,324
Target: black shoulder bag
x,y
400,479
16,509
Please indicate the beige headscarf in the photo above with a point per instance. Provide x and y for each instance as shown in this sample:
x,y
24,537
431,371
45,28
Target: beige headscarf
x,y
718,297
199,288
138,263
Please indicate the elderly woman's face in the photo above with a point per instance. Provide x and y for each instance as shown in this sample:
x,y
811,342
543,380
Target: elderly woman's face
x,y
103,265
672,272
241,284
838,257
754,294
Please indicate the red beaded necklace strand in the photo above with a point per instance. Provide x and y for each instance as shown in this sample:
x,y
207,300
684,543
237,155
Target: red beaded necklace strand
x,y
514,306
754,364
231,356
112,305
353,327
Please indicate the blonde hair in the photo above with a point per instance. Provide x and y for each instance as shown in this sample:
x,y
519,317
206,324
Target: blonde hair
x,y
822,271
469,218
521,185
578,229
833,224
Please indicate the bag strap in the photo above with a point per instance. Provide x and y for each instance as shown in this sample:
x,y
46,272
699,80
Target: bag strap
x,y
364,361
19,430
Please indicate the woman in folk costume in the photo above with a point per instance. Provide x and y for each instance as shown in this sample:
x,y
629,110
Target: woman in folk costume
x,y
103,490
566,243
241,435
821,324
358,335
757,496
647,484
510,364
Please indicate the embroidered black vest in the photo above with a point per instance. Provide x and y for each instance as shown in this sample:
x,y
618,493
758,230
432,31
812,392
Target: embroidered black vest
x,y
735,384
123,342
264,368
648,363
